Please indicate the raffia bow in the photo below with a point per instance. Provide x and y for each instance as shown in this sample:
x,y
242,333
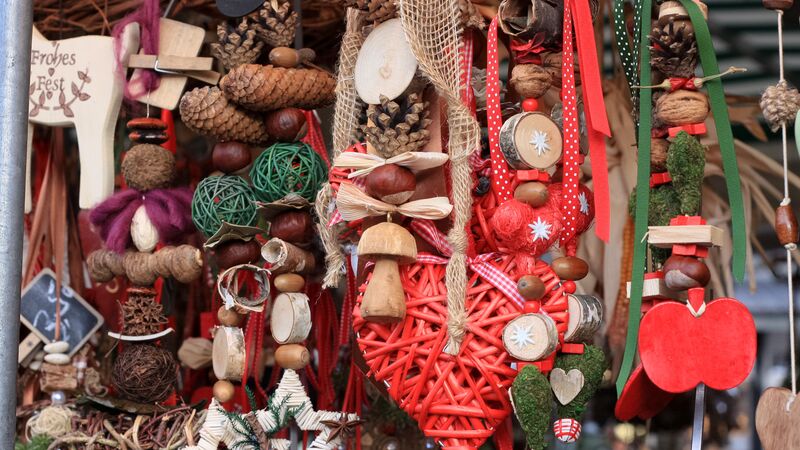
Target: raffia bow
x,y
364,163
354,204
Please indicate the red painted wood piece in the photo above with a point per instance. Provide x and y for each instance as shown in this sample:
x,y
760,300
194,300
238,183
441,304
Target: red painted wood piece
x,y
641,398
679,351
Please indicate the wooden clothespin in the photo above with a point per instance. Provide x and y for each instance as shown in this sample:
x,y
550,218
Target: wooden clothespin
x,y
177,60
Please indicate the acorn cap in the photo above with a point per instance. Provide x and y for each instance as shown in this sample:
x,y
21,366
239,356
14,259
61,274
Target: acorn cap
x,y
388,240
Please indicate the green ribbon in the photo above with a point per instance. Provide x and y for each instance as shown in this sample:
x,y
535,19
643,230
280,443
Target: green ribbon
x,y
719,108
642,203
628,54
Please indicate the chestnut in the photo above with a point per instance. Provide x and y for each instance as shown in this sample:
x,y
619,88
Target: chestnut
x,y
531,287
233,253
533,193
295,227
685,272
230,157
287,124
570,268
391,184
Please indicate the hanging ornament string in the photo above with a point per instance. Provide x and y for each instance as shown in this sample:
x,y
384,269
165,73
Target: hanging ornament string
x,y
642,205
719,108
596,120
501,178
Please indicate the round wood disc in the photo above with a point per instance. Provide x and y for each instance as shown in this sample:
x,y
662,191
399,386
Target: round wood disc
x,y
227,354
291,318
530,337
585,318
531,140
385,65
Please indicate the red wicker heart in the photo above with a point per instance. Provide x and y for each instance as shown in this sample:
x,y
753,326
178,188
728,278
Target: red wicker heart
x,y
457,400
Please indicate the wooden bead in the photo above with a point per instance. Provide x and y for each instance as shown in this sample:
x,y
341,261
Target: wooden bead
x,y
786,225
296,227
287,124
230,157
223,391
685,272
233,253
570,268
778,4
292,356
531,287
391,184
228,317
289,282
146,123
533,193
156,137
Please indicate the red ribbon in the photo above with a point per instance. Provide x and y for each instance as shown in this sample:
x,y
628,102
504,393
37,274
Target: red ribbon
x,y
596,119
501,176
682,83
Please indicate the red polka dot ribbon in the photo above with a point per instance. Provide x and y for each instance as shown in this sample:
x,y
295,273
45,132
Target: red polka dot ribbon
x,y
501,178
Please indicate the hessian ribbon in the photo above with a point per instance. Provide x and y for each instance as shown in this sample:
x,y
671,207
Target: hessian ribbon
x,y
480,264
722,122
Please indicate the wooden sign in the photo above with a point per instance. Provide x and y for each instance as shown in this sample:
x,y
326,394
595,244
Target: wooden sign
x,y
74,82
79,321
178,45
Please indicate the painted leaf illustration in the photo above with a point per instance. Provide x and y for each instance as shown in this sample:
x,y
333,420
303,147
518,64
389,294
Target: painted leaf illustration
x,y
41,98
75,90
34,112
84,96
81,75
62,99
68,112
32,89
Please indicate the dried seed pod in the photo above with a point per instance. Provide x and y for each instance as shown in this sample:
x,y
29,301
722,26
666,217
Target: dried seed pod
x,y
138,268
206,111
786,225
533,193
148,166
98,269
289,57
236,45
658,154
162,262
264,88
530,80
275,23
187,263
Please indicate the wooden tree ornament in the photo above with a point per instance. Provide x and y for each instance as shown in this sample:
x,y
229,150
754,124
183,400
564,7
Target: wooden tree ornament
x,y
74,83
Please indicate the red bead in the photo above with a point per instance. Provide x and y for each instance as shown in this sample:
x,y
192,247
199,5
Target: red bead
x,y
531,307
530,104
569,286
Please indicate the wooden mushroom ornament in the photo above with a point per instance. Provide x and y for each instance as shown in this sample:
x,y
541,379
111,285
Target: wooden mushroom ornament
x,y
388,245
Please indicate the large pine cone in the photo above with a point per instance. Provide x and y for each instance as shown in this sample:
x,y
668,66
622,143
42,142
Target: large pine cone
x,y
264,88
673,50
206,111
237,45
377,10
397,128
275,23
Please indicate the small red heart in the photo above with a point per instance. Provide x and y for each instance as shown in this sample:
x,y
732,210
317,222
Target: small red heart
x,y
680,351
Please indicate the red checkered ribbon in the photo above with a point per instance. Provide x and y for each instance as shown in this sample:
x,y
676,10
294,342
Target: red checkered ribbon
x,y
480,264
501,178
596,120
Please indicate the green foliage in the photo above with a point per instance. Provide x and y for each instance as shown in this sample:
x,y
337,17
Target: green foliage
x,y
39,442
532,404
242,428
251,398
686,161
664,205
592,363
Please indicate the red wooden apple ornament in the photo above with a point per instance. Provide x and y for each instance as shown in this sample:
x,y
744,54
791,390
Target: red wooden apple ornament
x,y
683,345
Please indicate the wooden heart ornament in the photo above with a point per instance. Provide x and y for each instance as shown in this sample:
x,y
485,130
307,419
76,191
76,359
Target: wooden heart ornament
x,y
778,419
457,400
566,385
683,345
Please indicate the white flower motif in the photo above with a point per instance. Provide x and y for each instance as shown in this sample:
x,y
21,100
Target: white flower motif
x,y
539,140
521,335
584,203
540,229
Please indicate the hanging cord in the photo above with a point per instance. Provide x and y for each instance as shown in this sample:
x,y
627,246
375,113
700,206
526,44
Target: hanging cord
x,y
785,202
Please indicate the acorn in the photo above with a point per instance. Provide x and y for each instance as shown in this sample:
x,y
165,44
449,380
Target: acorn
x,y
289,57
391,183
294,226
685,272
287,124
233,253
228,317
531,287
230,157
570,268
533,193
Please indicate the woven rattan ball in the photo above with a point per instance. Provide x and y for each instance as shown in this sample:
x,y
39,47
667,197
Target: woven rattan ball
x,y
286,168
145,373
219,198
148,166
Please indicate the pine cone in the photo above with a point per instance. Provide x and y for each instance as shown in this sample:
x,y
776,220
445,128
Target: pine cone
x,y
377,10
470,17
206,111
264,88
237,45
673,50
398,128
275,23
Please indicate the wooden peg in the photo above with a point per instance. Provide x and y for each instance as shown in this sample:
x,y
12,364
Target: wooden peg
x,y
666,236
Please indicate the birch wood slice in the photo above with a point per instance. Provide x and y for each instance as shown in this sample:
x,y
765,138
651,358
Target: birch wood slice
x,y
385,65
530,337
531,140
778,419
227,354
291,318
585,318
